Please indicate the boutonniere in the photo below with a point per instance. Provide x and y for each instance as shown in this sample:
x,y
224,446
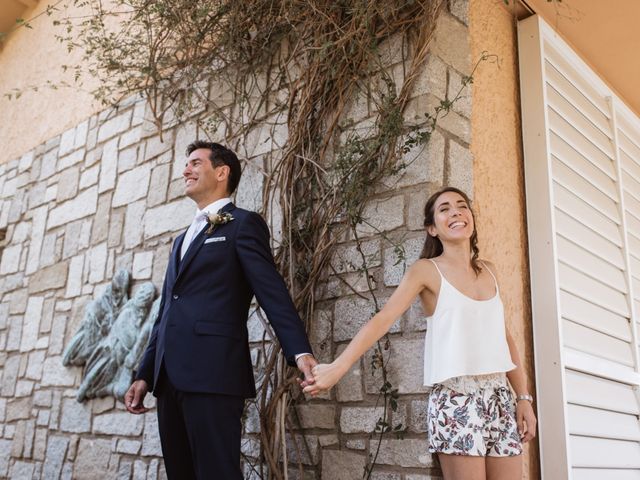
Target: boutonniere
x,y
215,219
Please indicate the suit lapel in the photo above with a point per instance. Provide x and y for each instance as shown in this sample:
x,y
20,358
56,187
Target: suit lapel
x,y
196,244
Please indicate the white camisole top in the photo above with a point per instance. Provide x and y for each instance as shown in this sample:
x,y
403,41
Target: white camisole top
x,y
465,336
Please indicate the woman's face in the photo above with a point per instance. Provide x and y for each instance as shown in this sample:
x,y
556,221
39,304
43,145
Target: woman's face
x,y
452,218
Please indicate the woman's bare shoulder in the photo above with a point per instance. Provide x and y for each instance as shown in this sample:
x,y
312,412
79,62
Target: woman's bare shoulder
x,y
426,270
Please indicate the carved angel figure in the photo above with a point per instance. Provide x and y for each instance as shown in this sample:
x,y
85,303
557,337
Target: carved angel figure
x,y
98,317
109,369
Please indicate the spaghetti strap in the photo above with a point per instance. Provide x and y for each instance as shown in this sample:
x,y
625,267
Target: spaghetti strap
x,y
436,265
495,280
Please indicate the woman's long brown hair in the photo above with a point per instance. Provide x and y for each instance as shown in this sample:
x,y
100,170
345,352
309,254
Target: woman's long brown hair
x,y
433,245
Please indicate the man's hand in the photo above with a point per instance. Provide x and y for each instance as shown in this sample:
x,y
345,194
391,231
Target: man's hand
x,y
134,398
305,365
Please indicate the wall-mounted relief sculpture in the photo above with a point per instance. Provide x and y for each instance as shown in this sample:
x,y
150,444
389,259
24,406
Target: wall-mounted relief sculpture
x,y
112,337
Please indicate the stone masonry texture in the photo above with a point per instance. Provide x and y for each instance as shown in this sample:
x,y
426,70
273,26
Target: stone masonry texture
x,y
107,194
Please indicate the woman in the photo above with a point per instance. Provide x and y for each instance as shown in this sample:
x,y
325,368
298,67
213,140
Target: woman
x,y
469,353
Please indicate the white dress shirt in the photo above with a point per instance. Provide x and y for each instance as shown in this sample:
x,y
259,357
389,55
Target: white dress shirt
x,y
199,222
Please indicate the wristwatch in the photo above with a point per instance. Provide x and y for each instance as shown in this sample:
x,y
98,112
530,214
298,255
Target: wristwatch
x,y
524,396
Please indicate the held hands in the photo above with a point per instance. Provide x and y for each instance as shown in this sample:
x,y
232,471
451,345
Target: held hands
x,y
526,420
326,376
305,364
134,398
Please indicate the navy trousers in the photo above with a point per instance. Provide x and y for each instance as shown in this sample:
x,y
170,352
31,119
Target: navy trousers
x,y
199,432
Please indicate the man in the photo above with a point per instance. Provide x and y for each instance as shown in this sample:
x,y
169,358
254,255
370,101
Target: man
x,y
197,363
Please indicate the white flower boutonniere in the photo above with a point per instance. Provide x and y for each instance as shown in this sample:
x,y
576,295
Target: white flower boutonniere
x,y
215,219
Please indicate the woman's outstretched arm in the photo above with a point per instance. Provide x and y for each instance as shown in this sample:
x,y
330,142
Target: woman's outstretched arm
x,y
413,282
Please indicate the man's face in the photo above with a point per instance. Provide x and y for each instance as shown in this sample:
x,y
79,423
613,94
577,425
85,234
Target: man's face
x,y
203,181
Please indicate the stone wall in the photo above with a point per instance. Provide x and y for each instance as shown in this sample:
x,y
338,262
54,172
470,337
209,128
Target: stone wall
x,y
108,194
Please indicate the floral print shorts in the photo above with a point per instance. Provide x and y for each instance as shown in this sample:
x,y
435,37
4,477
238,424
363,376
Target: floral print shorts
x,y
479,423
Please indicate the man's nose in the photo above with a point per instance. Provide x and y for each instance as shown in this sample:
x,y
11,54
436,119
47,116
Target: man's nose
x,y
187,170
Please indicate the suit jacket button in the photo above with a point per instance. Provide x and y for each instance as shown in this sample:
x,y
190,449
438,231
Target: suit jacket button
x,y
175,297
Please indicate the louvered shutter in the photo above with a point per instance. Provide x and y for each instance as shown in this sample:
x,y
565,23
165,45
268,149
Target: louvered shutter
x,y
582,177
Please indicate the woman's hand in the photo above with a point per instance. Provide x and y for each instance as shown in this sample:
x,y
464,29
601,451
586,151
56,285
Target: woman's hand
x,y
526,420
325,376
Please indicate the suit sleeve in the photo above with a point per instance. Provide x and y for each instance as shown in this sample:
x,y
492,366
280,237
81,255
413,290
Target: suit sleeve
x,y
252,246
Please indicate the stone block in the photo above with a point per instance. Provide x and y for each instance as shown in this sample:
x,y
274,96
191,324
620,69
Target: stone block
x,y
320,336
10,262
328,440
128,158
5,455
170,217
249,193
89,177
67,141
34,367
132,185
55,374
49,278
114,126
382,216
22,470
17,301
26,161
151,437
108,166
92,459
460,167
100,225
24,388
130,137
133,224
316,415
31,323
36,195
15,334
10,375
351,258
131,447
451,43
142,265
56,450
74,277
18,409
97,260
418,418
461,104
303,448
44,416
349,389
460,10
342,465
350,314
159,183
359,419
48,166
405,367
40,444
39,222
58,327
42,398
83,205
119,423
74,158
397,260
423,163
76,417
407,452
155,146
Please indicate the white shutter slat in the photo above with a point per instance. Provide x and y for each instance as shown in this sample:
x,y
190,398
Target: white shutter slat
x,y
604,453
593,422
601,367
628,145
570,135
590,289
569,91
582,188
597,392
634,245
590,264
564,67
573,230
594,316
605,474
572,158
631,189
580,210
596,343
579,121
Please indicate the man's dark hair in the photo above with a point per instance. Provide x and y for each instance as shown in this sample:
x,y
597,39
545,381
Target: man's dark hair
x,y
221,155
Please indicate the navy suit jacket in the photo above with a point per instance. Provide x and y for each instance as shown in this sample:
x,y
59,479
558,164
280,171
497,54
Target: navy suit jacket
x,y
201,331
